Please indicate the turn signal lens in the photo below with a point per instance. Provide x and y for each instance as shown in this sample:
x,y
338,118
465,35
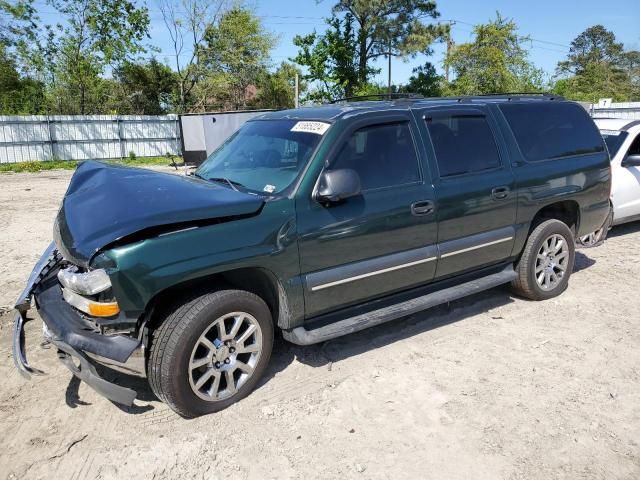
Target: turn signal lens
x,y
95,309
103,309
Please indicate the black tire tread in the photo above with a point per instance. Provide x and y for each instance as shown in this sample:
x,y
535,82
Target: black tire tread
x,y
165,338
521,284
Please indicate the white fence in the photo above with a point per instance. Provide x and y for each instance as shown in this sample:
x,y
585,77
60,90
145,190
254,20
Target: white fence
x,y
628,110
74,137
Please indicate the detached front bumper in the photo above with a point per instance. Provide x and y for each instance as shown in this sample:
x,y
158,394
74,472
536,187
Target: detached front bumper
x,y
74,336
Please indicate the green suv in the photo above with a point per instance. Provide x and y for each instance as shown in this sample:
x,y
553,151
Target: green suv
x,y
315,222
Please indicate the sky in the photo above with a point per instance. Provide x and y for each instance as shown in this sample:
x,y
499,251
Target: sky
x,y
551,24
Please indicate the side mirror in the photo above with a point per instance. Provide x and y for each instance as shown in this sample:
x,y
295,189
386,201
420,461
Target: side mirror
x,y
337,185
631,161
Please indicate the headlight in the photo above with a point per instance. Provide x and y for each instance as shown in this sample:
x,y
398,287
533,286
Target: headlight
x,y
95,309
89,283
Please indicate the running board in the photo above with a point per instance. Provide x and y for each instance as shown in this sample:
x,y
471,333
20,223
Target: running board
x,y
302,336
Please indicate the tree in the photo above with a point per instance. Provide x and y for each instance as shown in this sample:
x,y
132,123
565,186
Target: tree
x,y
329,59
18,95
145,89
631,63
237,50
187,22
596,45
495,62
390,27
425,81
96,34
341,61
277,89
598,67
18,24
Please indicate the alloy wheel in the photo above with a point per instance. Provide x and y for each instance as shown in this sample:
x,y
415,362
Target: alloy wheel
x,y
551,262
225,356
592,239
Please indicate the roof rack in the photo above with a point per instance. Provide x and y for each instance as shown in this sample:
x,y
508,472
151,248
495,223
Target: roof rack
x,y
457,98
502,96
410,96
518,94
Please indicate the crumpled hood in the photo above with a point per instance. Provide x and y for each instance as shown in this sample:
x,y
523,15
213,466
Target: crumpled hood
x,y
105,203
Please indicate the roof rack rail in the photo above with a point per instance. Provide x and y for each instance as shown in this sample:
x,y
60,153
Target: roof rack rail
x,y
506,96
512,95
410,96
517,94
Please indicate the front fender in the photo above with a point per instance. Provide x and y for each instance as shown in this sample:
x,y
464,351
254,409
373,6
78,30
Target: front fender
x,y
144,269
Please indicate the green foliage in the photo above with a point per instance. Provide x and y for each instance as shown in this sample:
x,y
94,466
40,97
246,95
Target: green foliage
x,y
395,27
425,81
598,67
18,95
329,59
596,45
89,62
37,166
186,23
495,62
95,34
18,24
277,89
360,31
144,88
237,51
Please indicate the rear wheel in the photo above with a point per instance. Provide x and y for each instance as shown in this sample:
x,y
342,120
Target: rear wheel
x,y
210,352
546,262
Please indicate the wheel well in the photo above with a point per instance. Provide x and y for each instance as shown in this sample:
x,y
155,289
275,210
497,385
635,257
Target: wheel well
x,y
258,281
566,211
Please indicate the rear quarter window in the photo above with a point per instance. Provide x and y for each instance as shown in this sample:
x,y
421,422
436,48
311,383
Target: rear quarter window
x,y
548,130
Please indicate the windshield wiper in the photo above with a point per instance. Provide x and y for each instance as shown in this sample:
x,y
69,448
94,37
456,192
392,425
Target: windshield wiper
x,y
232,183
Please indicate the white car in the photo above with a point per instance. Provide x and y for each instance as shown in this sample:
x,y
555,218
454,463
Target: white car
x,y
622,137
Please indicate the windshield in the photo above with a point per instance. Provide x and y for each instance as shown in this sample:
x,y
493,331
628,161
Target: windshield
x,y
614,140
264,155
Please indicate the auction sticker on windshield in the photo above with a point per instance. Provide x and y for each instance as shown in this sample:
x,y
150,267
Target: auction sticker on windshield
x,y
311,127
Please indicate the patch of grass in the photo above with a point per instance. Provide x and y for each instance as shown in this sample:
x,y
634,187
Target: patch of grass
x,y
36,166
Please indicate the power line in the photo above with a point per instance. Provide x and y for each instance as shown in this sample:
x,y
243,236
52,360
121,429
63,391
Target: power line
x,y
524,37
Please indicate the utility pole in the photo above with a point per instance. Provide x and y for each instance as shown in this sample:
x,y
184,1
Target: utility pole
x,y
297,93
450,46
389,79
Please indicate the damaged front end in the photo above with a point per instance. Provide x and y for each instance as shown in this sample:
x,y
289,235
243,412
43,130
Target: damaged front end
x,y
69,324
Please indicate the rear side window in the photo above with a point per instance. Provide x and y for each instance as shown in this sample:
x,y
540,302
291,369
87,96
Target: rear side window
x,y
382,155
463,144
548,130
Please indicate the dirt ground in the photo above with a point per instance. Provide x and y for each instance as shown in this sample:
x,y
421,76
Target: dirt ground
x,y
490,387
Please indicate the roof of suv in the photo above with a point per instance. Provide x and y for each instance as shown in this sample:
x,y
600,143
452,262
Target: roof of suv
x,y
333,111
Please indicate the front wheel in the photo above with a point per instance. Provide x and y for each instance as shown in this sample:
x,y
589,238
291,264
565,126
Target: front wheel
x,y
546,262
210,352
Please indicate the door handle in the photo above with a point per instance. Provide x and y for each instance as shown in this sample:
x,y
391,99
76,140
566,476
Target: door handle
x,y
424,207
500,193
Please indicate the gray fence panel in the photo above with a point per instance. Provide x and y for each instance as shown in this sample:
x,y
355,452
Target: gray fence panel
x,y
67,137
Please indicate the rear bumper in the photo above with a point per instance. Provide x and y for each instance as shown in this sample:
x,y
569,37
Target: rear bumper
x,y
76,339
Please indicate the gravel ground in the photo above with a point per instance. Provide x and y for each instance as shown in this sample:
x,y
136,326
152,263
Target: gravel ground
x,y
489,387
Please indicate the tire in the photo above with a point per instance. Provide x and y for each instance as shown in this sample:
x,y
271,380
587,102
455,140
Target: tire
x,y
190,345
597,238
534,261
